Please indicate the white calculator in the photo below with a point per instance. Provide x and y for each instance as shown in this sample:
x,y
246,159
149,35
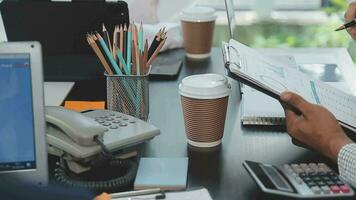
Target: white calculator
x,y
312,180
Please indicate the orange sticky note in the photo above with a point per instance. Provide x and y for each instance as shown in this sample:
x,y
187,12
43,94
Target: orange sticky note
x,y
84,105
103,196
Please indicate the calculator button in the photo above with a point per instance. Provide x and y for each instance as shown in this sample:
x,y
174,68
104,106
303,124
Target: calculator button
x,y
106,130
321,183
132,121
286,166
326,178
312,174
311,183
112,114
344,189
317,179
125,118
334,178
109,119
298,180
316,189
331,173
324,167
101,121
314,166
330,183
294,174
339,183
321,174
307,179
116,121
303,174
325,189
103,117
335,189
119,116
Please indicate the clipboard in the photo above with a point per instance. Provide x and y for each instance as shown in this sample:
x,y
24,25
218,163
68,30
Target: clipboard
x,y
232,57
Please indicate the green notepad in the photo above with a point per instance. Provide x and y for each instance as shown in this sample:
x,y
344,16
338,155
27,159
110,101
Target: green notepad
x,y
164,173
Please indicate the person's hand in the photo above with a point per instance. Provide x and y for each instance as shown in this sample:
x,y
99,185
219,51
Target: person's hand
x,y
350,14
315,127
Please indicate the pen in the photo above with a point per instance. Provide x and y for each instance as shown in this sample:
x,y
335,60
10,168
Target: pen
x,y
347,25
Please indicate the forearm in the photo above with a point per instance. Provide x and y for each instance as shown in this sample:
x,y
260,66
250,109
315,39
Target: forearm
x,y
347,163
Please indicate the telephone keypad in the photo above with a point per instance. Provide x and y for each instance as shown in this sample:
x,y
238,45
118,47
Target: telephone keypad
x,y
122,124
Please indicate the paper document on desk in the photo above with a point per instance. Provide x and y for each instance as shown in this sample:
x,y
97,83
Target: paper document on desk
x,y
56,92
259,108
201,194
272,76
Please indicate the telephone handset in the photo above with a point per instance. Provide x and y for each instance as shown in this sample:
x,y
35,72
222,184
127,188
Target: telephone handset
x,y
73,136
78,127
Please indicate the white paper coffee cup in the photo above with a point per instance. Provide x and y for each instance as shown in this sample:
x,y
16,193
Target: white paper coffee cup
x,y
204,101
198,28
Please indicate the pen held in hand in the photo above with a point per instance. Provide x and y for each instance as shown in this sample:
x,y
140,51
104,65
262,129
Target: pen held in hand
x,y
347,25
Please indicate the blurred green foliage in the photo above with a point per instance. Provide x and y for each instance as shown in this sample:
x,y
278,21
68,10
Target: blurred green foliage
x,y
282,35
336,6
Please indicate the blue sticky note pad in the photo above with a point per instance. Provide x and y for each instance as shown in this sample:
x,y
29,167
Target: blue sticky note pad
x,y
164,173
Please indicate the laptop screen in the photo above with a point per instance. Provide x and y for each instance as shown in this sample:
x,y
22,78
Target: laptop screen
x,y
17,139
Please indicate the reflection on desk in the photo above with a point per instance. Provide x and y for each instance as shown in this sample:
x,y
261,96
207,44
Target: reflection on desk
x,y
219,170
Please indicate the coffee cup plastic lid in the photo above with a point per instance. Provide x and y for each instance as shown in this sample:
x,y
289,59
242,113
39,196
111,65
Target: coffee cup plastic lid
x,y
205,86
198,14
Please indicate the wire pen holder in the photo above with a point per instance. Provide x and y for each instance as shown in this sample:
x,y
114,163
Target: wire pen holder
x,y
129,94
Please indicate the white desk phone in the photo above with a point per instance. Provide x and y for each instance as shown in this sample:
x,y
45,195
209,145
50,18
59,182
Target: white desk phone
x,y
74,136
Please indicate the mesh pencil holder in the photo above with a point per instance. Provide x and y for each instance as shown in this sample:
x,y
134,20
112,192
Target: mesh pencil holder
x,y
128,94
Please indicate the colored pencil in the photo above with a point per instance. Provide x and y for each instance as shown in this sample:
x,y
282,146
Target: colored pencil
x,y
121,42
102,50
124,53
128,52
135,42
107,52
101,57
114,39
140,38
145,52
154,55
107,38
122,61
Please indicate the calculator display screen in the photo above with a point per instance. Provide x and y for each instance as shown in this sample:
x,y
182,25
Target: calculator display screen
x,y
276,178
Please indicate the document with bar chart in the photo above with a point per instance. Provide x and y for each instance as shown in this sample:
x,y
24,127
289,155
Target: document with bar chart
x,y
272,78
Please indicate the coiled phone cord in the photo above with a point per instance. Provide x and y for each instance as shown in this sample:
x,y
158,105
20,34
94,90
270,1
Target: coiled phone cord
x,y
62,175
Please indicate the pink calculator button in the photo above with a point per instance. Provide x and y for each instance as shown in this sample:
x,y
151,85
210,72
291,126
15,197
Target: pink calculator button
x,y
335,189
345,189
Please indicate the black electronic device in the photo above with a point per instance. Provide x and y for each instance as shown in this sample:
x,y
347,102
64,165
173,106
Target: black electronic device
x,y
305,180
61,28
165,71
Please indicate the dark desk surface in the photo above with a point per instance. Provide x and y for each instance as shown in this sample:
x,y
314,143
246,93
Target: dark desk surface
x,y
220,170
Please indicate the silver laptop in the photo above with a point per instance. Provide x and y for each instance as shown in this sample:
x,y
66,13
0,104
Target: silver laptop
x,y
23,152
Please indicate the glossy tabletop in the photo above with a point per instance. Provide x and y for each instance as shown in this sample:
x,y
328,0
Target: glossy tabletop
x,y
219,169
